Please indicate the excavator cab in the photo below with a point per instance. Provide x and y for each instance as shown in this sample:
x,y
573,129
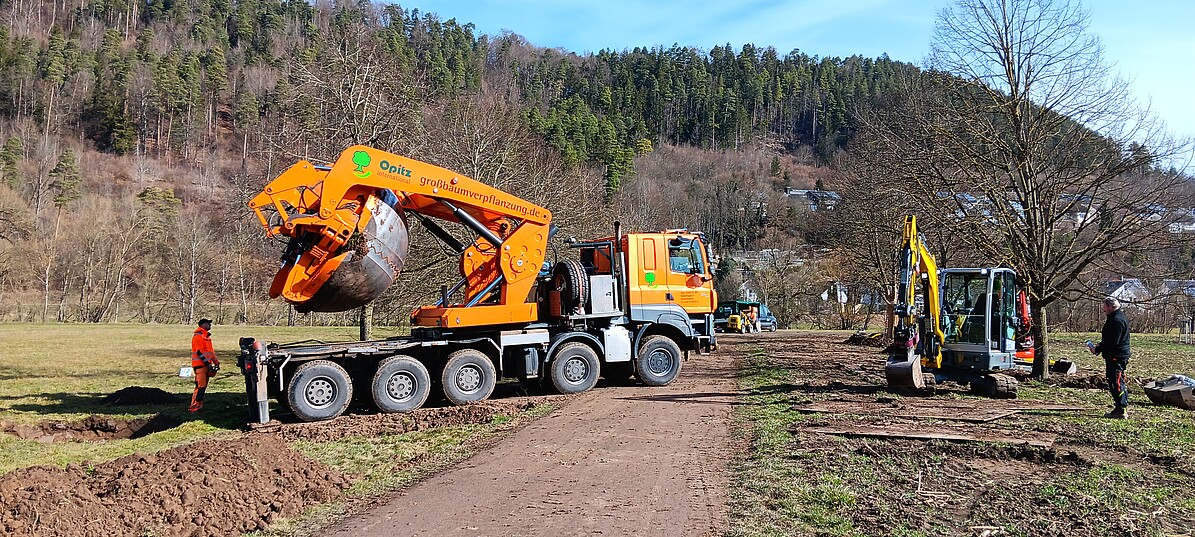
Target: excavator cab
x,y
982,303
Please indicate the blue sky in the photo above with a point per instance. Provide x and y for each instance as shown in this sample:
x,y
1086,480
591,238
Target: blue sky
x,y
1150,41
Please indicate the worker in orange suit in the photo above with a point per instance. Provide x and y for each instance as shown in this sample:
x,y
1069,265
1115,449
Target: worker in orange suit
x,y
203,361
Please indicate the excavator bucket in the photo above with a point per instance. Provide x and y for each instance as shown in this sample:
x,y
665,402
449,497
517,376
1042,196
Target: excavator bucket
x,y
903,373
373,259
1063,367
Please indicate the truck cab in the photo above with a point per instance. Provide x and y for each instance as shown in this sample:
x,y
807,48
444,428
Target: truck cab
x,y
660,280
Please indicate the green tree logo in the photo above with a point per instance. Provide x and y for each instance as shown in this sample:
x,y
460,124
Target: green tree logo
x,y
650,278
361,159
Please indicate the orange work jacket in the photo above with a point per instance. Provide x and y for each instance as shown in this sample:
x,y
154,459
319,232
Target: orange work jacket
x,y
201,348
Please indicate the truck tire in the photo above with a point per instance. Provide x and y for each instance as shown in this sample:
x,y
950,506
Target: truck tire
x,y
469,376
658,362
401,384
319,390
569,278
575,368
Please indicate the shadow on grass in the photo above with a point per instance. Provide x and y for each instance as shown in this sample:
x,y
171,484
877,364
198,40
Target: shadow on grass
x,y
221,410
705,398
833,387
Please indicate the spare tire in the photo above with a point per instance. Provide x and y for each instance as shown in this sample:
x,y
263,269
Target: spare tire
x,y
569,278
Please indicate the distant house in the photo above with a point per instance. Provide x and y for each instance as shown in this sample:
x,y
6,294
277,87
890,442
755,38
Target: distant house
x,y
1128,290
1183,221
771,257
1181,227
1153,212
814,200
1175,288
967,205
1077,208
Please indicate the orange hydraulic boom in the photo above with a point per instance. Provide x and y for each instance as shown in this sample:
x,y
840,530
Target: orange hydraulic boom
x,y
347,226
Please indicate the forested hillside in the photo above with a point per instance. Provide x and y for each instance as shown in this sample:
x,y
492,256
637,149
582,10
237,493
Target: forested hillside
x,y
133,132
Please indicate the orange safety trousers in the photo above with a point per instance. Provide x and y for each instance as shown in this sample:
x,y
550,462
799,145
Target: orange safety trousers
x,y
201,353
200,386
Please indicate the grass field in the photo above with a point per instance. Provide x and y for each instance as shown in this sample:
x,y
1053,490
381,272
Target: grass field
x,y
783,484
1102,477
62,371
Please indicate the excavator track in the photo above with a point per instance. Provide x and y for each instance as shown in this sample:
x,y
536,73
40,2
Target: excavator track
x,y
996,385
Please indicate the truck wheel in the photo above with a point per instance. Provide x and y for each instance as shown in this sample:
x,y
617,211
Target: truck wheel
x,y
658,362
468,377
575,368
319,390
401,384
618,372
569,278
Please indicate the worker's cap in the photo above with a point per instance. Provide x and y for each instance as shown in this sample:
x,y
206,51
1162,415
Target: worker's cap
x,y
202,321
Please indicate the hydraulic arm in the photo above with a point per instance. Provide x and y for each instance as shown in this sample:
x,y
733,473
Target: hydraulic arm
x,y
347,226
918,332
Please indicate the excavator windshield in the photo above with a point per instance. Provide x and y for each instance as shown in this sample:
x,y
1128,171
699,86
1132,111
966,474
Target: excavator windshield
x,y
966,301
982,303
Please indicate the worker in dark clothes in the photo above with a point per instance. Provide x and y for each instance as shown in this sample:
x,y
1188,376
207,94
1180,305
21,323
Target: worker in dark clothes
x,y
1114,346
203,361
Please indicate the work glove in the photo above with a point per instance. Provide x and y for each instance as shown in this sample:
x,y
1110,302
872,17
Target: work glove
x,y
213,367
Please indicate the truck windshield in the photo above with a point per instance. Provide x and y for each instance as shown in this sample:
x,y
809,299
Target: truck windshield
x,y
684,256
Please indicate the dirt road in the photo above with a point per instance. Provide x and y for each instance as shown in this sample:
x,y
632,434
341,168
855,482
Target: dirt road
x,y
617,460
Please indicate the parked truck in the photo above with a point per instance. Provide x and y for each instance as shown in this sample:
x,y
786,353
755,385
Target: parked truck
x,y
630,304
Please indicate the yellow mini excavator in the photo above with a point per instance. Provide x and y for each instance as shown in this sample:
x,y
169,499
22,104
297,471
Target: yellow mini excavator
x,y
956,324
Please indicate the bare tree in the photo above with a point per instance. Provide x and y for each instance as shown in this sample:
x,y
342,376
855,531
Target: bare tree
x,y
352,91
1021,143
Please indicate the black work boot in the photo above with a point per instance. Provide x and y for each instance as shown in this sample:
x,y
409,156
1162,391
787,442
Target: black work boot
x,y
1118,413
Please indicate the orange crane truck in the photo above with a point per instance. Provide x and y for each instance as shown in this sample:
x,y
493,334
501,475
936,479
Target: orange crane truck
x,y
630,304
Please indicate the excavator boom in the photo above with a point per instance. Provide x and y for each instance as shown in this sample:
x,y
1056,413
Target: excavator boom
x,y
918,335
347,225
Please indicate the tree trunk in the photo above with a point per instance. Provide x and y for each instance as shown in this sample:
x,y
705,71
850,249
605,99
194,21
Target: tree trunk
x,y
49,267
1041,360
243,282
366,322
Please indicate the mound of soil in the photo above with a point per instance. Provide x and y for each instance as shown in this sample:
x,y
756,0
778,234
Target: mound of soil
x,y
424,418
1081,380
140,395
867,340
206,488
93,428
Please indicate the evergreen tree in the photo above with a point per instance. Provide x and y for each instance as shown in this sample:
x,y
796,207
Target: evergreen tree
x,y
10,161
65,180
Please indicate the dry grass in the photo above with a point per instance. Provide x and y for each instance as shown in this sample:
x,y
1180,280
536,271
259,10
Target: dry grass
x,y
62,371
